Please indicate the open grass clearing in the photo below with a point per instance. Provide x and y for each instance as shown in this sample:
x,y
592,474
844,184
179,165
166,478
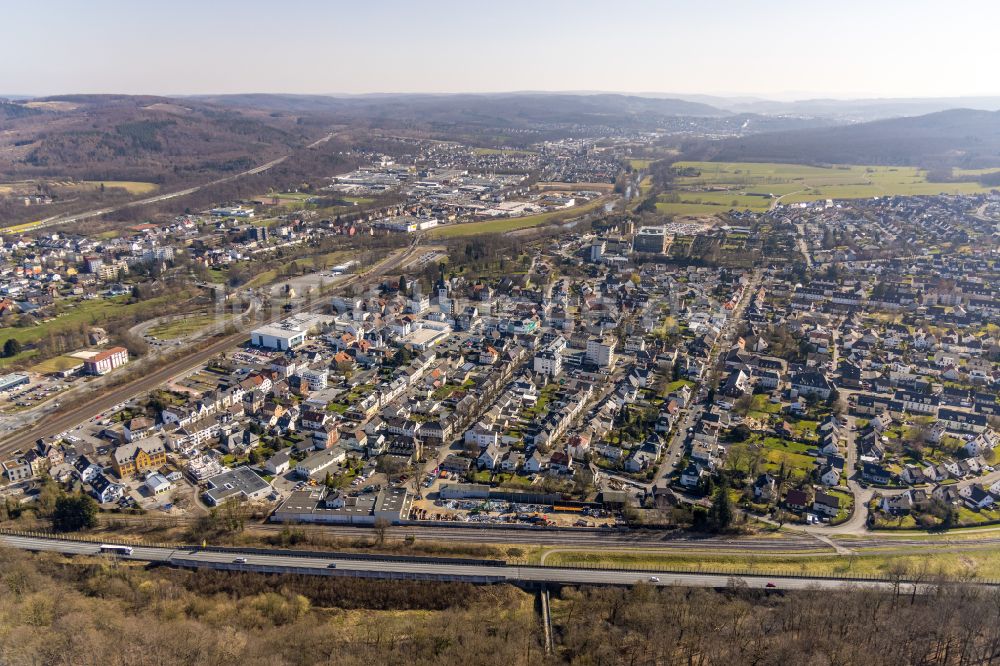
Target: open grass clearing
x,y
20,228
762,403
57,364
776,458
182,327
736,199
130,186
30,186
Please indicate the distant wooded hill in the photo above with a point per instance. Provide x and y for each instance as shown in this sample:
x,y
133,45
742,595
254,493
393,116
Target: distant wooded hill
x,y
959,137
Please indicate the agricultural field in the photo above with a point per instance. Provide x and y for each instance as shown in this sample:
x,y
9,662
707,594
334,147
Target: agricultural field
x,y
19,228
30,186
130,186
721,186
512,223
639,164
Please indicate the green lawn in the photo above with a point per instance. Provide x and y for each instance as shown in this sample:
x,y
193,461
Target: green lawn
x,y
261,279
967,516
185,326
57,364
792,454
762,403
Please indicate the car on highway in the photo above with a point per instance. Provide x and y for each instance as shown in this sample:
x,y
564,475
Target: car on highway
x,y
240,560
654,579
770,585
331,565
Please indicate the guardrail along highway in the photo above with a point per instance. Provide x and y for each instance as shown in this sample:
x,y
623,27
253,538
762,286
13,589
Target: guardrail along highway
x,y
332,564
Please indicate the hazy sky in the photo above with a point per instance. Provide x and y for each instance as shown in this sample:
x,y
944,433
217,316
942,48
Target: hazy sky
x,y
769,47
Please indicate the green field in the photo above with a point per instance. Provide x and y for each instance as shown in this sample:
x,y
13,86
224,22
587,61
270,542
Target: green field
x,y
513,224
721,186
778,451
309,263
83,313
184,326
131,186
18,228
57,364
640,164
645,186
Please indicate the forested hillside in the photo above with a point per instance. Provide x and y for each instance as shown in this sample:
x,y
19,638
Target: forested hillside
x,y
91,611
960,137
135,138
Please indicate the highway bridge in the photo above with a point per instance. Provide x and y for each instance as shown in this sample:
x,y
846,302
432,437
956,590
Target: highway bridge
x,y
315,563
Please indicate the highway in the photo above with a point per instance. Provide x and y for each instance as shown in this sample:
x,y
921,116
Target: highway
x,y
320,565
260,168
798,542
77,217
82,410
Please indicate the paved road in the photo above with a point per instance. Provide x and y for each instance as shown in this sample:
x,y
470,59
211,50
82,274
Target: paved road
x,y
82,410
676,446
800,241
332,566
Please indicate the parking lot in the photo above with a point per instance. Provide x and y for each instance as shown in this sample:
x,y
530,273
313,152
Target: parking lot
x,y
38,391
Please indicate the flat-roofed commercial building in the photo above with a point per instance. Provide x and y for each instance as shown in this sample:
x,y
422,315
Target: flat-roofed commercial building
x,y
320,506
241,484
650,239
281,337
